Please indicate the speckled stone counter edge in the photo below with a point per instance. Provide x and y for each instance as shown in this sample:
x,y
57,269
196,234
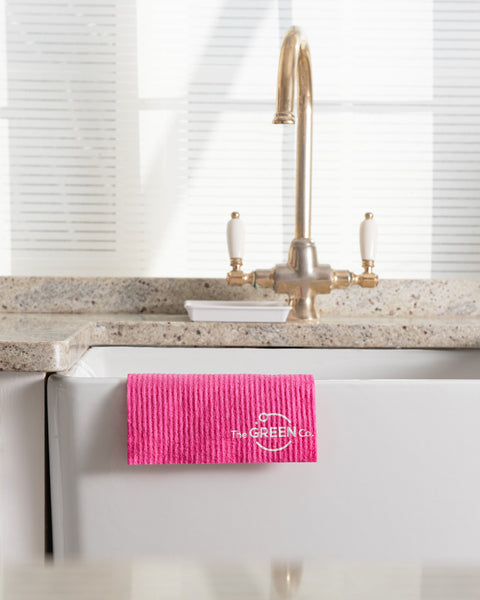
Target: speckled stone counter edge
x,y
394,297
56,354
49,322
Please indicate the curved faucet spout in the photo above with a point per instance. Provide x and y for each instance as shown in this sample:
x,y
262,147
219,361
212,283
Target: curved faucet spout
x,y
295,64
302,278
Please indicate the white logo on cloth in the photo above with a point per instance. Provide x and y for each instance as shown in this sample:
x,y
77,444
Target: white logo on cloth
x,y
265,432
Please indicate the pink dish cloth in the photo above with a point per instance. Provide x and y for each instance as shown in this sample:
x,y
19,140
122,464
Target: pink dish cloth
x,y
218,419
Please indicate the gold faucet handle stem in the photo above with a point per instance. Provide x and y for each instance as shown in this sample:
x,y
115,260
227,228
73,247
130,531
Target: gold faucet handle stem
x,y
367,279
237,277
345,279
236,264
342,279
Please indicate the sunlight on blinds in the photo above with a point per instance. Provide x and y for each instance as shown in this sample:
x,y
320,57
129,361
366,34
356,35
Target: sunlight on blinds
x,y
131,130
73,138
373,131
5,225
456,169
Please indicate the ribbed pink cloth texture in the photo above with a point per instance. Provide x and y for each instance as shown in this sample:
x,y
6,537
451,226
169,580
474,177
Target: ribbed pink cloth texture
x,y
213,419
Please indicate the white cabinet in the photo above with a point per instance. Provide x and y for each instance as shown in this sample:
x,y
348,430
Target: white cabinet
x,y
397,475
22,466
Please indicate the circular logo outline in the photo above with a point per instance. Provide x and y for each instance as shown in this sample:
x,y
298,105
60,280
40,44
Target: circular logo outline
x,y
263,418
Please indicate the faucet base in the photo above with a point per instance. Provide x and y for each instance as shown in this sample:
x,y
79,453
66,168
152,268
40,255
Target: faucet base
x,y
302,278
303,309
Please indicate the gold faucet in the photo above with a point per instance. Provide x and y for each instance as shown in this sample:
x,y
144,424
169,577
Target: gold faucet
x,y
302,278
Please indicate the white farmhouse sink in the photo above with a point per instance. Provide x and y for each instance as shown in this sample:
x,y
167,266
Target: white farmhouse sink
x,y
397,477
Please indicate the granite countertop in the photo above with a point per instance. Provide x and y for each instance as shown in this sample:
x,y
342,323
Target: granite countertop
x,y
46,324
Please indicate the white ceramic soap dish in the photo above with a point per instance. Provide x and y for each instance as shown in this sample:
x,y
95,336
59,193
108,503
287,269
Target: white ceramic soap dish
x,y
235,311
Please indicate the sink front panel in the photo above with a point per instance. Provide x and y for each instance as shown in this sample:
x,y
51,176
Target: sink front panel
x,y
396,477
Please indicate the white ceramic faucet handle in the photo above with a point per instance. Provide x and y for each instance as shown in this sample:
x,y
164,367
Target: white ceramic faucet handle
x,y
235,236
368,237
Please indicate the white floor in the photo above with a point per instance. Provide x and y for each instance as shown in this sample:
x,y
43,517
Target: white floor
x,y
170,580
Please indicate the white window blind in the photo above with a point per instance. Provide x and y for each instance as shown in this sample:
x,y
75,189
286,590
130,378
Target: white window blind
x,y
456,152
131,130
